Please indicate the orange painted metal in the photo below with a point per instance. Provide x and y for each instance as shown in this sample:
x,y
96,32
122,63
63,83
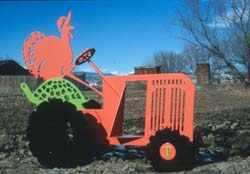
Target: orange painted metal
x,y
169,104
169,97
162,111
50,57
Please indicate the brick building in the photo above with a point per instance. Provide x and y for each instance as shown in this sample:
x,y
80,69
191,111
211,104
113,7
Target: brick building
x,y
147,70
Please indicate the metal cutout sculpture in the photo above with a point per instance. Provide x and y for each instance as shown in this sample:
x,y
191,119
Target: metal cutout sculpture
x,y
50,57
168,128
57,89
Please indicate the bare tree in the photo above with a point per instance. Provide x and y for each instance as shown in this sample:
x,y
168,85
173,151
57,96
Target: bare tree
x,y
169,61
196,55
222,28
193,56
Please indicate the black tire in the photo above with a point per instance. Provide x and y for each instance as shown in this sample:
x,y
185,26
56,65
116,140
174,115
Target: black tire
x,y
185,151
57,135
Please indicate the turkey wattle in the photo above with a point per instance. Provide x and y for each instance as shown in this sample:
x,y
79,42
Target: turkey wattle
x,y
50,57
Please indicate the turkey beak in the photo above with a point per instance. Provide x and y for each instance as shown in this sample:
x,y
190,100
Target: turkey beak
x,y
67,21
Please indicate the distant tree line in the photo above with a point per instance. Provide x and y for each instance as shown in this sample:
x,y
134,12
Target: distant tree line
x,y
218,32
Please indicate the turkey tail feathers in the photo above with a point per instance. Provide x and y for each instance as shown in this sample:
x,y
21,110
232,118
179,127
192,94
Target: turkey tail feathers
x,y
30,59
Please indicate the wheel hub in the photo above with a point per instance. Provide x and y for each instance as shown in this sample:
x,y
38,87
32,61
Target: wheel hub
x,y
167,151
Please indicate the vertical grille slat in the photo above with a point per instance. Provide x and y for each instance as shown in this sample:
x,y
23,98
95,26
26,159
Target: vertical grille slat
x,y
180,109
156,109
160,109
171,108
152,111
175,108
163,108
183,110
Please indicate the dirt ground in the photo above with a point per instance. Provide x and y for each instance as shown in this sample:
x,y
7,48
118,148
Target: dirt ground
x,y
222,118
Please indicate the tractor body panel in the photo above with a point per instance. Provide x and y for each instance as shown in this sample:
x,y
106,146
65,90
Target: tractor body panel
x,y
169,104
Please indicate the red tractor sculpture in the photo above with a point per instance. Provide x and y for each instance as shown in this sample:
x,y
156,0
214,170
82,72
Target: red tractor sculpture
x,y
61,130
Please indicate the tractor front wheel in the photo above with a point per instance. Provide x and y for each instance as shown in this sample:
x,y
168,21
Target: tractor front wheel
x,y
169,151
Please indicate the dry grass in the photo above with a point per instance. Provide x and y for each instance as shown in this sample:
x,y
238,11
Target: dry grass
x,y
215,100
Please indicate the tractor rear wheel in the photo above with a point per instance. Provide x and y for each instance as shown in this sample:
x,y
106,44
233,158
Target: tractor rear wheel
x,y
57,135
169,151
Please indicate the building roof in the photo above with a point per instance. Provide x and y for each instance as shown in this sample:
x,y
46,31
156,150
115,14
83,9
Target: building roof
x,y
146,67
2,62
11,67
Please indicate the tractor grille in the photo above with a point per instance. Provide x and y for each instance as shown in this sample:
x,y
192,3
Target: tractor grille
x,y
168,100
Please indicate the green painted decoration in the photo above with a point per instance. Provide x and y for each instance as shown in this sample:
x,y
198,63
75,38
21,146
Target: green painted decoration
x,y
55,89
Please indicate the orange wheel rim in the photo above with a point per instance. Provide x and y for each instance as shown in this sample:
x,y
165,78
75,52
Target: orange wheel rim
x,y
167,151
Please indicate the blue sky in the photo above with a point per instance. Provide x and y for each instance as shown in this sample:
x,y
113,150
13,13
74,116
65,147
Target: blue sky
x,y
125,33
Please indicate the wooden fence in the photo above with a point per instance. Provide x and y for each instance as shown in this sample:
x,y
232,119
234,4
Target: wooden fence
x,y
11,84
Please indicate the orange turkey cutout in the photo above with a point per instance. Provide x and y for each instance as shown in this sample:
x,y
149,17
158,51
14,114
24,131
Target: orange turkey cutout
x,y
50,57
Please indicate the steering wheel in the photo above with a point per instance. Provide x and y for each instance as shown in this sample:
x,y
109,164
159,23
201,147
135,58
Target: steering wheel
x,y
85,56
